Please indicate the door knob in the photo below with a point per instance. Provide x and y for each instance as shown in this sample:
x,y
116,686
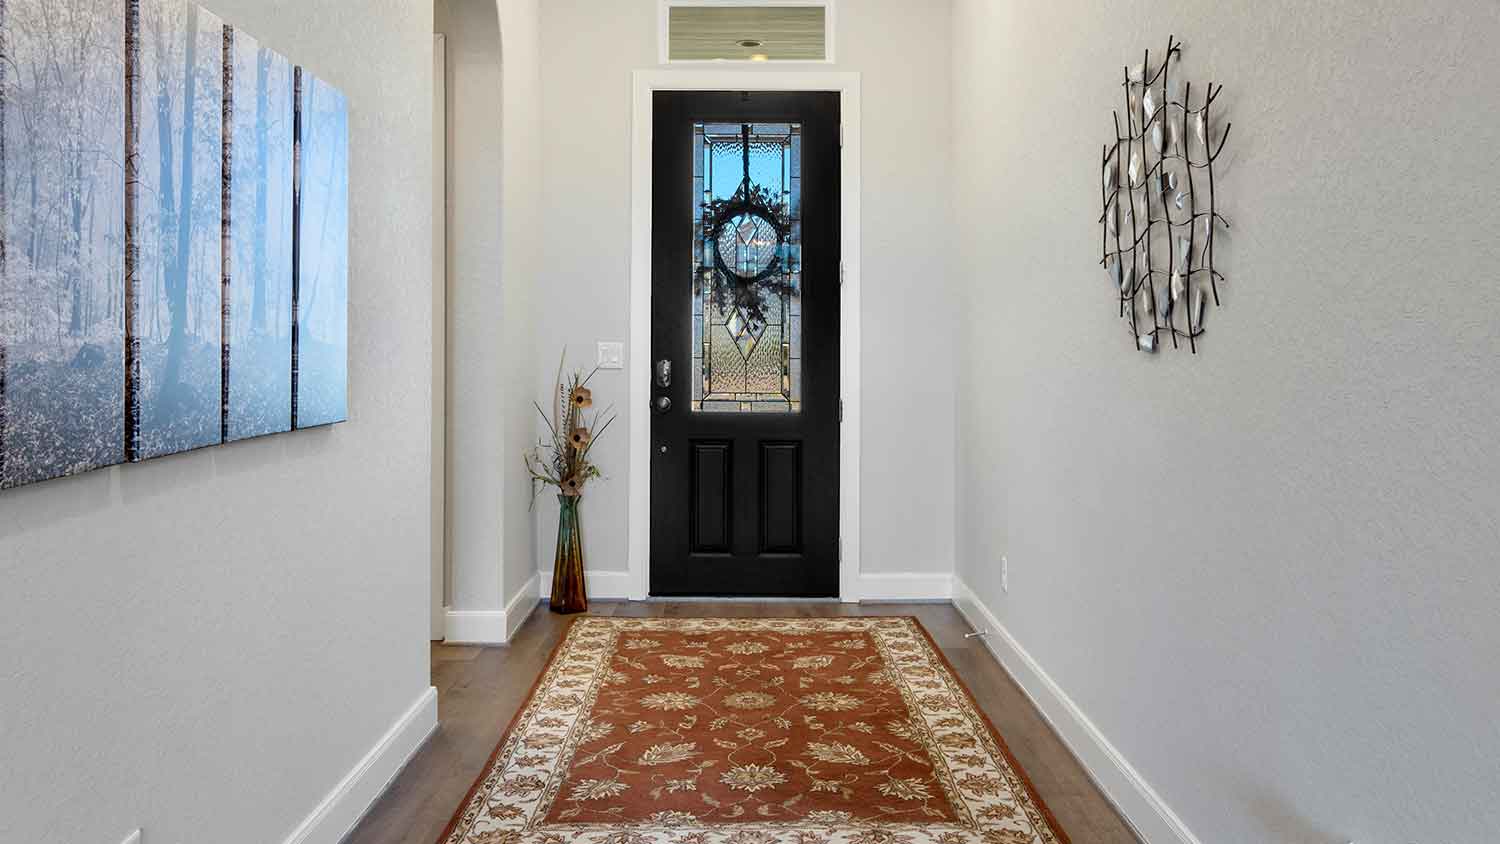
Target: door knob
x,y
662,404
663,373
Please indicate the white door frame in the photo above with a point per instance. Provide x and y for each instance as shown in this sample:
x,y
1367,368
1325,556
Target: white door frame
x,y
645,83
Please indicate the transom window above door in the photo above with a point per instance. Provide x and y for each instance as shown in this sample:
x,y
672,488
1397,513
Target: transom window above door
x,y
746,31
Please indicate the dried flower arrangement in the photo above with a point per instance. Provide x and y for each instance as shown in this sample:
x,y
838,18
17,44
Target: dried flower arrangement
x,y
564,461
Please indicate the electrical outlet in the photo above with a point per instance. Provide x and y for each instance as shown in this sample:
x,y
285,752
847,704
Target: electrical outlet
x,y
1004,575
132,838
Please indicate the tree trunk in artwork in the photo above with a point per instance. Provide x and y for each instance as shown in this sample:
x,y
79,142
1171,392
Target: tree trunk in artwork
x,y
4,226
132,237
75,268
569,592
263,146
177,276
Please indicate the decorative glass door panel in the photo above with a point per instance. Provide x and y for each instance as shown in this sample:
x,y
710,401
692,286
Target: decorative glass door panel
x,y
747,267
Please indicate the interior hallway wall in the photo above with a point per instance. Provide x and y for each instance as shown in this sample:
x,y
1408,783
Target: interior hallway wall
x,y
901,48
1266,572
492,237
205,644
523,280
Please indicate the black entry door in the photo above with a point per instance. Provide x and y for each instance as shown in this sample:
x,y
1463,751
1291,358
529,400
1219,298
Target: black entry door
x,y
745,338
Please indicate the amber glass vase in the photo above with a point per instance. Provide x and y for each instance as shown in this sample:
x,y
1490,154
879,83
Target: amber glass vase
x,y
568,592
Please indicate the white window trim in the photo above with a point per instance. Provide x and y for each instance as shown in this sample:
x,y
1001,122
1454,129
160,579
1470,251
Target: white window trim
x,y
663,35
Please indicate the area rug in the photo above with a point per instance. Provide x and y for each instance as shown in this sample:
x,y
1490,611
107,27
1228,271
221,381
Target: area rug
x,y
751,731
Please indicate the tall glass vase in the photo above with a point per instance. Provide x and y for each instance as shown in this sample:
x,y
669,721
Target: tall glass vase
x,y
568,592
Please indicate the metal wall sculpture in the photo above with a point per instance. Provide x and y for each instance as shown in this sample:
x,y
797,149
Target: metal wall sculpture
x,y
147,245
1160,201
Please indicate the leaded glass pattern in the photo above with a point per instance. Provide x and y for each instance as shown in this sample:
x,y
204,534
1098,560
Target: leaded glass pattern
x,y
747,267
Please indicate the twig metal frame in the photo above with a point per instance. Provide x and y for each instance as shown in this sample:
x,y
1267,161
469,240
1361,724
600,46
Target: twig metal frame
x,y
1154,154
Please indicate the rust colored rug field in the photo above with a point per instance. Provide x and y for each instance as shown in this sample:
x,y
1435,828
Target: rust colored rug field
x,y
750,731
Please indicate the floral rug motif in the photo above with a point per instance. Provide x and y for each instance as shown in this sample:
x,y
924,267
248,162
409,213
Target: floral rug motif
x,y
751,731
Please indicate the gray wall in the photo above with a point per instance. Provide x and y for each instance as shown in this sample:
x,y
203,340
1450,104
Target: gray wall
x,y
590,48
1267,573
493,176
523,277
205,644
472,28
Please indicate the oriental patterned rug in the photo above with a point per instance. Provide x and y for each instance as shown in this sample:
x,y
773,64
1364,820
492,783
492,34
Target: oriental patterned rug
x,y
751,731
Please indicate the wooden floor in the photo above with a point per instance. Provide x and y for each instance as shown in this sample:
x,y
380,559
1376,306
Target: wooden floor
x,y
480,688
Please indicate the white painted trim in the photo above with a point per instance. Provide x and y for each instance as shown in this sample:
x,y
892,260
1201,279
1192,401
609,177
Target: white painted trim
x,y
1153,820
520,607
638,358
601,585
492,627
438,456
904,586
663,34
338,813
474,627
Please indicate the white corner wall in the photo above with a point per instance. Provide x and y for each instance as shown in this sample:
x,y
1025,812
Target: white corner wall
x,y
207,646
1266,575
901,49
493,234
524,280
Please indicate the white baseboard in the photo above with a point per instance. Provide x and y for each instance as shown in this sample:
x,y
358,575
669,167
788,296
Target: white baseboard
x,y
902,586
361,787
491,627
602,585
520,607
1153,819
474,627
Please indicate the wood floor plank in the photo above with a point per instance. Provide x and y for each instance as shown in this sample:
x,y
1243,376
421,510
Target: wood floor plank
x,y
481,688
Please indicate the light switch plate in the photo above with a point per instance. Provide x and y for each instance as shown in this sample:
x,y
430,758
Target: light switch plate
x,y
611,355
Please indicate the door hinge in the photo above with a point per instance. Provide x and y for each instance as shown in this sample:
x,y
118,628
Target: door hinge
x,y
841,411
842,273
841,136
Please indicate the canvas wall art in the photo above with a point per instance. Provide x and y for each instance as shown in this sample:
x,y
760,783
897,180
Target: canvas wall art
x,y
259,115
62,230
320,365
173,237
174,386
